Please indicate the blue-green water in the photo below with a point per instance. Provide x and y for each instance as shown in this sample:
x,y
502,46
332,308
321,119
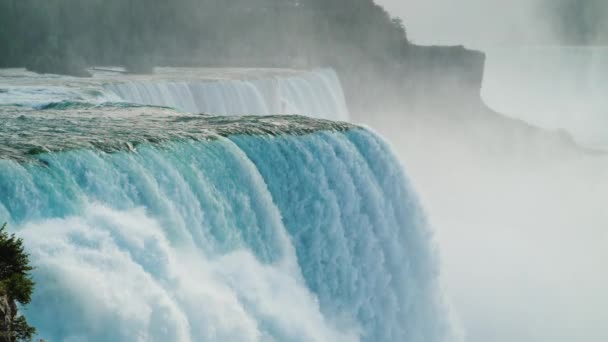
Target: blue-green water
x,y
149,224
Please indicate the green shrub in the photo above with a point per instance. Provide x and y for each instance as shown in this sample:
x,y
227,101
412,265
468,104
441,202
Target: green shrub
x,y
16,285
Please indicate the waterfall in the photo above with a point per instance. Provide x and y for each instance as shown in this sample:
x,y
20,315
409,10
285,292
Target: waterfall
x,y
315,94
150,223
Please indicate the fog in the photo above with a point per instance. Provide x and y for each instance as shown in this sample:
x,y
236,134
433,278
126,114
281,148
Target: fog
x,y
474,23
522,238
482,23
521,229
516,199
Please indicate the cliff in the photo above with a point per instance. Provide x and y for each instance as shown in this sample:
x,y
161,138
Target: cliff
x,y
452,72
433,79
438,89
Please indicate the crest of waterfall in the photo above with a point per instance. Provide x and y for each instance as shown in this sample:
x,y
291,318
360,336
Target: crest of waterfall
x,y
315,237
316,94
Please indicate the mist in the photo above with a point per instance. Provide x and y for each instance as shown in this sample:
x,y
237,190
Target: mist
x,y
474,23
479,23
521,227
521,234
503,135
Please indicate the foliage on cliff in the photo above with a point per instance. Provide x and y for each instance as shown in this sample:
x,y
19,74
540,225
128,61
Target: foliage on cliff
x,y
358,38
16,286
207,32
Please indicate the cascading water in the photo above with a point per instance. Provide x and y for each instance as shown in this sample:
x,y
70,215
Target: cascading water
x,y
291,237
147,224
310,93
315,94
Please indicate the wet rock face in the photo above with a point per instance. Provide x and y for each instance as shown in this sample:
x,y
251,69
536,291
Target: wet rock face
x,y
456,62
445,73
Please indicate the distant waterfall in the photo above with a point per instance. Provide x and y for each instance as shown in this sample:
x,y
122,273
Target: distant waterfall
x,y
316,94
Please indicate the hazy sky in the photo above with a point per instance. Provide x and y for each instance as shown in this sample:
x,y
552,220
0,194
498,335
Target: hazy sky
x,y
475,23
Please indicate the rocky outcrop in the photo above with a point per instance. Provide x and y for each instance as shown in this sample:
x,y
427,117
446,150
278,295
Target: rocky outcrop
x,y
451,67
441,86
437,79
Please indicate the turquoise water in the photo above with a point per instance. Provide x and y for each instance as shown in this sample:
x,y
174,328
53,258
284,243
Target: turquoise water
x,y
150,224
289,237
225,92
25,132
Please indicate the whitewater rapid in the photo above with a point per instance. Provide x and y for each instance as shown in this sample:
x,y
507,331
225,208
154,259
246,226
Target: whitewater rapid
x,y
315,93
149,223
302,238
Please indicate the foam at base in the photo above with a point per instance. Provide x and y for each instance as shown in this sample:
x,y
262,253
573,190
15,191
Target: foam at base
x,y
316,237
